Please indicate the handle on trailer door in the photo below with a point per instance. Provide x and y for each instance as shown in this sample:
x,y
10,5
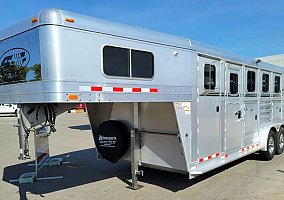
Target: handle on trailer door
x,y
239,114
217,109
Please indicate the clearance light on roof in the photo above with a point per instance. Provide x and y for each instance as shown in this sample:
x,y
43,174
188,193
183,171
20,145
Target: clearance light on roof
x,y
34,20
70,20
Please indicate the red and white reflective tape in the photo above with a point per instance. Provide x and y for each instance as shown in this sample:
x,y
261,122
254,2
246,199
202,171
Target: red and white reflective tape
x,y
117,89
209,157
225,156
248,148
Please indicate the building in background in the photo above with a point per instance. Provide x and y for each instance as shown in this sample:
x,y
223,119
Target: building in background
x,y
275,59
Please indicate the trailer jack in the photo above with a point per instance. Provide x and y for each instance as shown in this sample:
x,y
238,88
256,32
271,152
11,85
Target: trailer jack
x,y
23,137
135,172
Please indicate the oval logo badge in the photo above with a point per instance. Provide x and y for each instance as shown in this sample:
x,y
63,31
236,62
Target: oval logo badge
x,y
14,57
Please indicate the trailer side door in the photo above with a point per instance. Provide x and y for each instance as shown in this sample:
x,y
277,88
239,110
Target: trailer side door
x,y
208,107
233,109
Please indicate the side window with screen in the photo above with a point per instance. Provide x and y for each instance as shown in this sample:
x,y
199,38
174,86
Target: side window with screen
x,y
251,81
233,83
125,62
209,77
276,84
265,82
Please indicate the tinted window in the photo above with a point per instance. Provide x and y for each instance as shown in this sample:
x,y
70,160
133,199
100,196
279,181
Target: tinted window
x,y
142,64
251,81
116,61
209,77
276,84
233,83
265,82
19,65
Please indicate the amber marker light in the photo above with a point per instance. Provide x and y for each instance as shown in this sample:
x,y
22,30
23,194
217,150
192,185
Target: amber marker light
x,y
34,20
70,20
73,97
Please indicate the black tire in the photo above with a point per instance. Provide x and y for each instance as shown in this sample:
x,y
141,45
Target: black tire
x,y
271,146
280,141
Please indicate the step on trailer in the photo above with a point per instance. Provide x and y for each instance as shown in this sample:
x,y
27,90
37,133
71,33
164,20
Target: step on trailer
x,y
153,99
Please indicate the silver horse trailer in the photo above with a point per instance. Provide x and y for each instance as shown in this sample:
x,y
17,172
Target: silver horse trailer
x,y
153,99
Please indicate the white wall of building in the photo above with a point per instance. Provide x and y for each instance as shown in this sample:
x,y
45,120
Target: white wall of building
x,y
275,59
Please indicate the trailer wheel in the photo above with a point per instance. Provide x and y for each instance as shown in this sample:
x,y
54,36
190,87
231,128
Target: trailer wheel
x,y
280,141
271,146
112,139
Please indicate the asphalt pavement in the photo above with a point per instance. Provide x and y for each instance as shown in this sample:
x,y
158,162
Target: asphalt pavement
x,y
88,178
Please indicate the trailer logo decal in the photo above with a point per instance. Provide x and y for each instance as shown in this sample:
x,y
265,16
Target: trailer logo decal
x,y
106,138
117,89
107,141
13,58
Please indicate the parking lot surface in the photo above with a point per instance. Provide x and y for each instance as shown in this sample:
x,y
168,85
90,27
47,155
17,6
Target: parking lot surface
x,y
88,178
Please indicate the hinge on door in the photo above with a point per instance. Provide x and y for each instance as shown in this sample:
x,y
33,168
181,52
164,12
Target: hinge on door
x,y
197,123
197,92
197,64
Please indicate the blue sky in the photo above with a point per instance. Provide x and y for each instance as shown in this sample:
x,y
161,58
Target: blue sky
x,y
252,28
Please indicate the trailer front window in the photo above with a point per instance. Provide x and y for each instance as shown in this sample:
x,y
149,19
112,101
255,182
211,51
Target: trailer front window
x,y
209,77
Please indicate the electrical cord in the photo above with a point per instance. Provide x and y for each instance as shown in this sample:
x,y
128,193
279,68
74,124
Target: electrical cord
x,y
49,115
49,120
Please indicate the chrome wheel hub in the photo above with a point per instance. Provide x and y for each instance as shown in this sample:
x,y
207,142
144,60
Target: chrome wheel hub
x,y
271,146
281,141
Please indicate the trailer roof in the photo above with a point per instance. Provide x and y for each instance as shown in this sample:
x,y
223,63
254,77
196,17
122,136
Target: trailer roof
x,y
82,22
57,17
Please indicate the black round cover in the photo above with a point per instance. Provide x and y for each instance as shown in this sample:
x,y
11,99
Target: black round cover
x,y
112,140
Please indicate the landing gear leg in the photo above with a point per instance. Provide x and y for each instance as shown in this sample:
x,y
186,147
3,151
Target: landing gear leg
x,y
135,172
23,138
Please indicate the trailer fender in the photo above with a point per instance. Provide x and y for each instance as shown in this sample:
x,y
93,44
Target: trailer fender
x,y
264,131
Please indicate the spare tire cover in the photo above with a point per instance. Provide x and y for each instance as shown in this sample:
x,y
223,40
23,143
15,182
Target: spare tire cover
x,y
112,140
